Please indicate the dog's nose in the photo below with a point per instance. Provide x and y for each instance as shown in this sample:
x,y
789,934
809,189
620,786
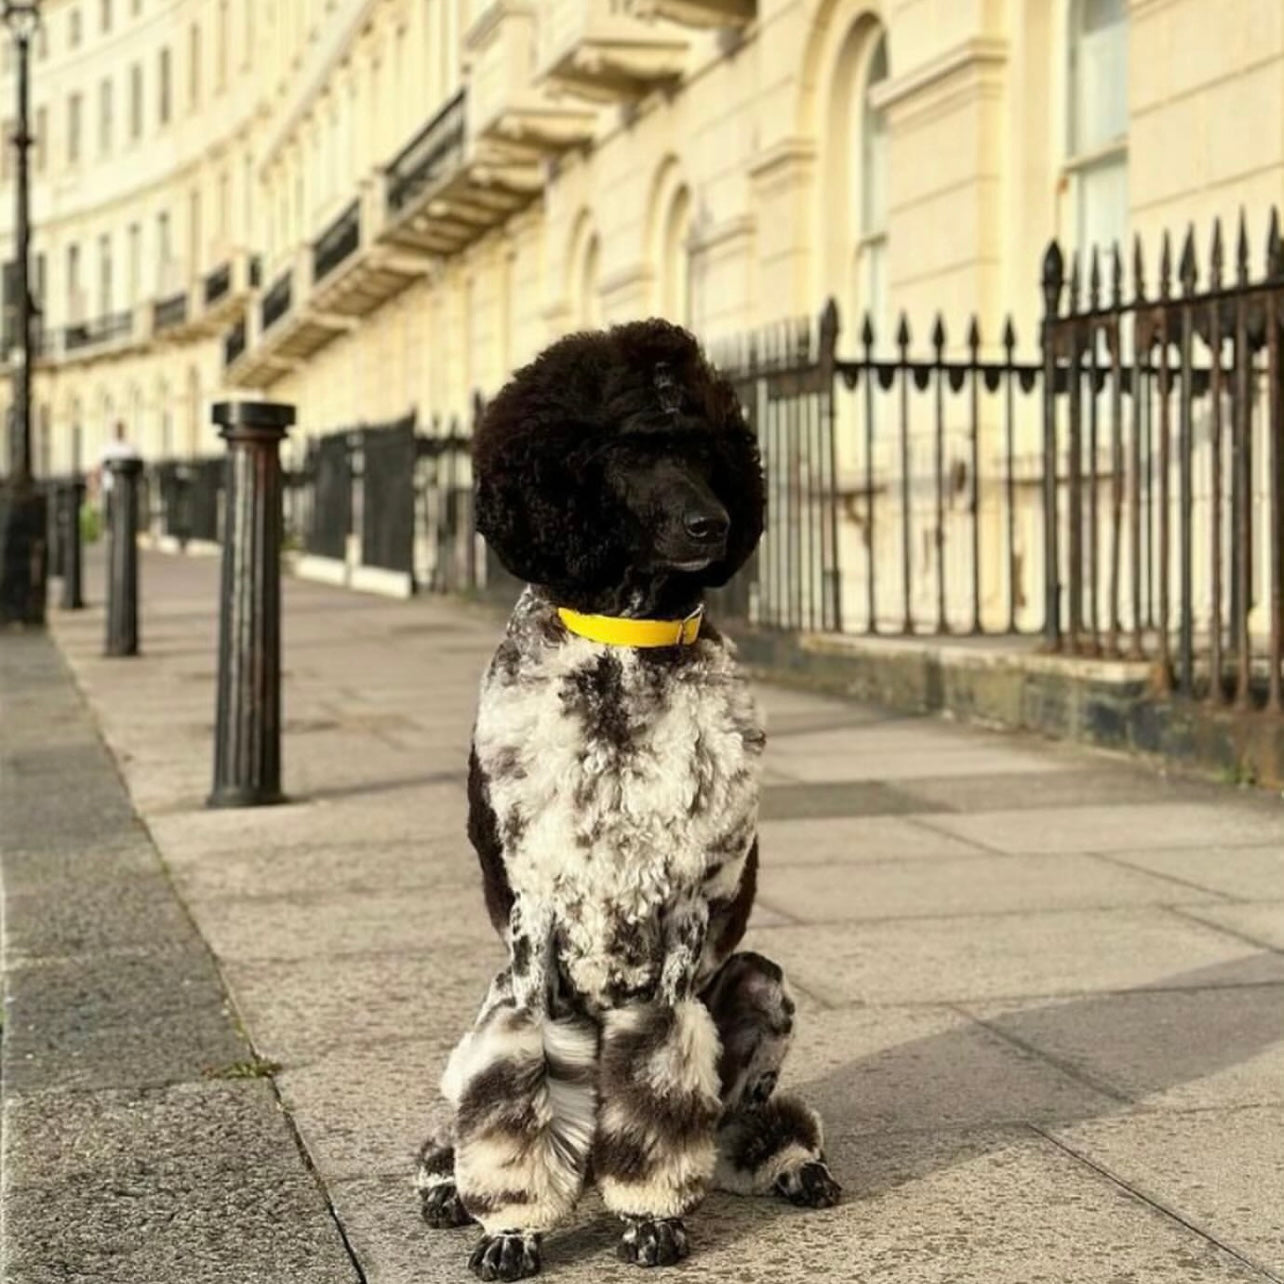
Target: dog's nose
x,y
708,525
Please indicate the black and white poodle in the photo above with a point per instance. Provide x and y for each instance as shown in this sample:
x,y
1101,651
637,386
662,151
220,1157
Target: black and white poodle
x,y
613,791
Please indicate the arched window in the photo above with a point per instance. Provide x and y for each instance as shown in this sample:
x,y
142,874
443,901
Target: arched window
x,y
1097,119
675,260
869,200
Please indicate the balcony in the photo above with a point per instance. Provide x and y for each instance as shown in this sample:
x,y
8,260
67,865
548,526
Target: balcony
x,y
702,14
107,334
225,292
169,314
352,273
234,342
500,49
446,189
287,326
607,51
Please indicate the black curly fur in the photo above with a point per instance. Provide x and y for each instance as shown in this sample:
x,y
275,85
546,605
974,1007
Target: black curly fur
x,y
556,437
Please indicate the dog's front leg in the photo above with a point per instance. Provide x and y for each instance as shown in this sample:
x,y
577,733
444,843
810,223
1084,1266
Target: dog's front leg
x,y
526,1106
655,1149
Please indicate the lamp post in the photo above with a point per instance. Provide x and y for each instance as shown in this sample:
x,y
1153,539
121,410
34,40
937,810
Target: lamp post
x,y
22,504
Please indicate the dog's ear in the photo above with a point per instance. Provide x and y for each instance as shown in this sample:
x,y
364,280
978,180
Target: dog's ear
x,y
540,505
737,479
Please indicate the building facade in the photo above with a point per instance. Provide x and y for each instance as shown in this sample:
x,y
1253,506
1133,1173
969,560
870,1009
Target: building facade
x,y
369,206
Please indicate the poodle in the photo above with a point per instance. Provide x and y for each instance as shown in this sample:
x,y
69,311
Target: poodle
x,y
613,800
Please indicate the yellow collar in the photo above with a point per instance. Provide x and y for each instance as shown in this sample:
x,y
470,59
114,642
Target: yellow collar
x,y
615,630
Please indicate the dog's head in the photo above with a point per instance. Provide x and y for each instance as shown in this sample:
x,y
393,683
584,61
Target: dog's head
x,y
617,471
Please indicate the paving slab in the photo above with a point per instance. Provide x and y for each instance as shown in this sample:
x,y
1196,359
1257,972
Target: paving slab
x,y
1164,1049
973,884
1213,1165
1261,923
1245,873
843,840
1120,828
197,1182
951,959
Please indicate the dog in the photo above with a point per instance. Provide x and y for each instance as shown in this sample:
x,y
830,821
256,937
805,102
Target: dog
x,y
613,801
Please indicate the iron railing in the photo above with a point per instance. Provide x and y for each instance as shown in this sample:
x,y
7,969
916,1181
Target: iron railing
x,y
91,334
1165,524
234,342
432,155
337,243
218,283
277,301
170,312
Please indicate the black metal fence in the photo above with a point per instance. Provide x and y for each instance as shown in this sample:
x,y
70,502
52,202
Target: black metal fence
x,y
1164,526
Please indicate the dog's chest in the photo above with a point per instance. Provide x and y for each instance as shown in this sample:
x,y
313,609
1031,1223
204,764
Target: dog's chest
x,y
616,781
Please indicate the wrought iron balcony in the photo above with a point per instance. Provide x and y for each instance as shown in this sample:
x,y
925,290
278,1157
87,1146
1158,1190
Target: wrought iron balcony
x,y
99,332
234,342
276,302
430,158
218,284
337,243
170,312
607,51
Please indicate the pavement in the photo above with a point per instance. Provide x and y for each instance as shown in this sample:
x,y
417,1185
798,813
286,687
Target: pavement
x,y
1041,990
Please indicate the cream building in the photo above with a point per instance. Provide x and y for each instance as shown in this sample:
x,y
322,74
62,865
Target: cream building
x,y
364,206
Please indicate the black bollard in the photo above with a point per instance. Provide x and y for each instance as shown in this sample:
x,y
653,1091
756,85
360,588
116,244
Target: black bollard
x,y
56,499
73,598
122,556
247,745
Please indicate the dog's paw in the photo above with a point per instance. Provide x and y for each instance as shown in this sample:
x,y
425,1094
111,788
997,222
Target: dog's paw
x,y
659,1241
510,1255
811,1186
758,1091
442,1208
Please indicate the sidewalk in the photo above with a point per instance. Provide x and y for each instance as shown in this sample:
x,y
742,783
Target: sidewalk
x,y
1041,991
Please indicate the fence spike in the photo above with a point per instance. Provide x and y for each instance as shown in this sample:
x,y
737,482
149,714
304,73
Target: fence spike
x,y
753,351
1166,267
1009,336
1187,271
1074,285
1116,276
1215,256
803,345
938,335
867,332
1274,254
903,332
1138,268
1241,250
1094,281
974,336
1054,269
830,327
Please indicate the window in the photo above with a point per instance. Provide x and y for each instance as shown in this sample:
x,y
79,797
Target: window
x,y
104,117
73,129
73,29
104,276
74,313
136,102
194,255
194,65
163,89
162,250
675,264
224,204
105,16
870,198
1097,116
136,7
42,134
135,237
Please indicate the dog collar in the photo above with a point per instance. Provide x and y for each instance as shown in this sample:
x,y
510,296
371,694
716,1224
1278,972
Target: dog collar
x,y
615,630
